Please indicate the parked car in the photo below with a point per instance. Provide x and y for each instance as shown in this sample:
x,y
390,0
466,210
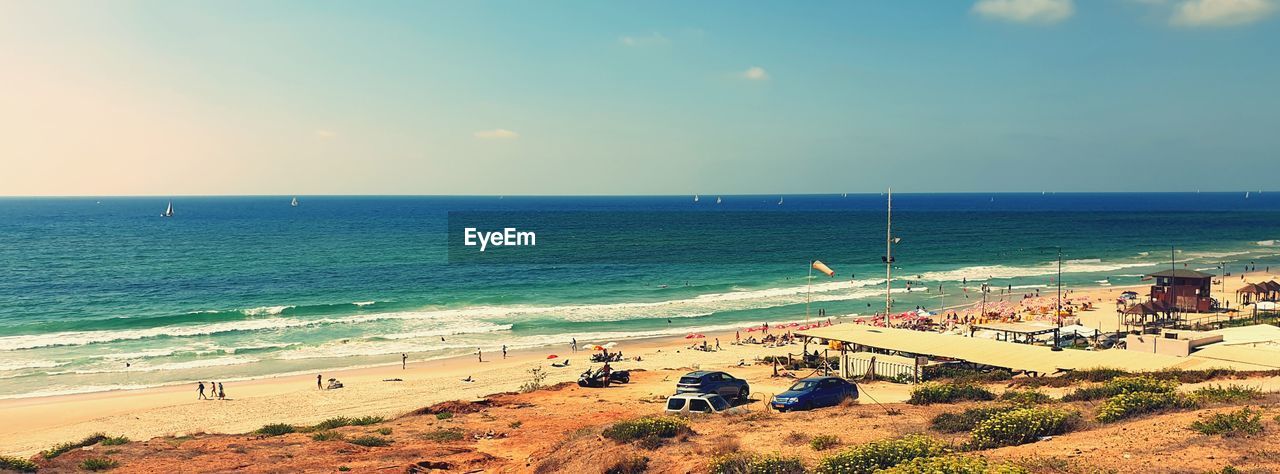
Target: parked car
x,y
685,403
814,392
595,378
720,383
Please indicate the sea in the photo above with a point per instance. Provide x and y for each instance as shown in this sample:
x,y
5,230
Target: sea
x,y
102,293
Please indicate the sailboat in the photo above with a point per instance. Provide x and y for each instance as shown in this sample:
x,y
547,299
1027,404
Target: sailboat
x,y
844,195
717,199
779,200
168,211
294,202
695,198
1246,194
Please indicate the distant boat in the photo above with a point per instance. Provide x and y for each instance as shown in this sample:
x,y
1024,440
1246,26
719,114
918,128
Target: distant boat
x,y
844,195
717,199
695,198
1246,194
168,211
779,200
294,202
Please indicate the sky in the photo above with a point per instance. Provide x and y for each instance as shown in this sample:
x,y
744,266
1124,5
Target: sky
x,y
583,97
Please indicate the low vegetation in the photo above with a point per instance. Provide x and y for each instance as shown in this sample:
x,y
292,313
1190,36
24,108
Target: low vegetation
x,y
965,375
370,441
444,415
1230,394
954,464
752,463
629,465
884,454
63,448
1026,397
1121,385
98,464
1242,422
647,427
952,422
341,421
930,393
443,436
1022,426
327,436
9,463
824,442
1131,404
115,441
275,429
536,378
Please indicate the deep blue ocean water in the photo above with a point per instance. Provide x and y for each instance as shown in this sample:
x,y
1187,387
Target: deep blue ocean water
x,y
237,287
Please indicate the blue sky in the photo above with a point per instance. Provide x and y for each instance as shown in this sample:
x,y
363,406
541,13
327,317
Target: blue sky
x,y
281,97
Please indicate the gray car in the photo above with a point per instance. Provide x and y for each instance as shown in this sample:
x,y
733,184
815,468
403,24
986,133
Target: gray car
x,y
720,383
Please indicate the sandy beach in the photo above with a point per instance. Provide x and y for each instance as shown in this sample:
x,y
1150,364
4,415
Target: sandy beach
x,y
36,423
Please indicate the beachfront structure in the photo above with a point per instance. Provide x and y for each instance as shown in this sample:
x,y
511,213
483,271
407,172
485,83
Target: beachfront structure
x,y
929,348
1183,290
1171,342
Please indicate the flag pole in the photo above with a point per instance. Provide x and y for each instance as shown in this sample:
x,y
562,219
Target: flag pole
x,y
888,261
808,293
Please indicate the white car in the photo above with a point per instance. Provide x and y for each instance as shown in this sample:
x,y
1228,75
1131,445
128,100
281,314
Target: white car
x,y
685,403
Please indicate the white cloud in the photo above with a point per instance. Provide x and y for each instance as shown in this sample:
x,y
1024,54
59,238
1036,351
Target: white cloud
x,y
1220,12
755,73
1025,11
497,134
652,39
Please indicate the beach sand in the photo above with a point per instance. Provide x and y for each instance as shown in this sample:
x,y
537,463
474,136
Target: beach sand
x,y
33,424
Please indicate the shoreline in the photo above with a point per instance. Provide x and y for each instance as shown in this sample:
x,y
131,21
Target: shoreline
x,y
172,410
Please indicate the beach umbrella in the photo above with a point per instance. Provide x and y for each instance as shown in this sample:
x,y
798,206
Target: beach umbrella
x,y
552,356
597,348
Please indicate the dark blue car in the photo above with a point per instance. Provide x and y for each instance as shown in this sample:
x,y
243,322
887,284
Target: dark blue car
x,y
723,384
814,392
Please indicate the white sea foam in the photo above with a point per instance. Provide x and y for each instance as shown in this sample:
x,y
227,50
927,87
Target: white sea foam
x,y
7,365
1267,243
265,310
363,303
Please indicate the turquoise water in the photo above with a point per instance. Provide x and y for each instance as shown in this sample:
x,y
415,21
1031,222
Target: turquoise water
x,y
242,287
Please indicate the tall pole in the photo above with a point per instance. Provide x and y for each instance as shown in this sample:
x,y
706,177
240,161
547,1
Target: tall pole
x,y
808,293
1058,315
888,260
1173,278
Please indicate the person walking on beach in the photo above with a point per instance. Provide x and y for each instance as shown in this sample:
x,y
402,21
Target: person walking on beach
x,y
222,395
479,355
504,351
404,361
200,392
319,386
717,343
574,344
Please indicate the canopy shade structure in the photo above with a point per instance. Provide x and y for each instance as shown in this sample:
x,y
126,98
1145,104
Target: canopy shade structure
x,y
1017,357
1147,308
1251,288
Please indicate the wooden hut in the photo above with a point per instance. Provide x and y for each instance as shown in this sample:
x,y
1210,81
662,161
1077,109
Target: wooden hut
x,y
1183,290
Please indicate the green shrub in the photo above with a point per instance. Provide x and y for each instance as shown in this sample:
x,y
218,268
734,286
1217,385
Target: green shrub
x,y
964,375
10,463
928,393
338,422
327,436
1131,404
951,422
115,440
366,420
751,463
275,429
60,449
98,464
824,442
1121,385
1242,422
1026,397
444,415
953,464
443,436
1022,426
883,454
629,465
371,441
1229,394
384,431
343,468
646,427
